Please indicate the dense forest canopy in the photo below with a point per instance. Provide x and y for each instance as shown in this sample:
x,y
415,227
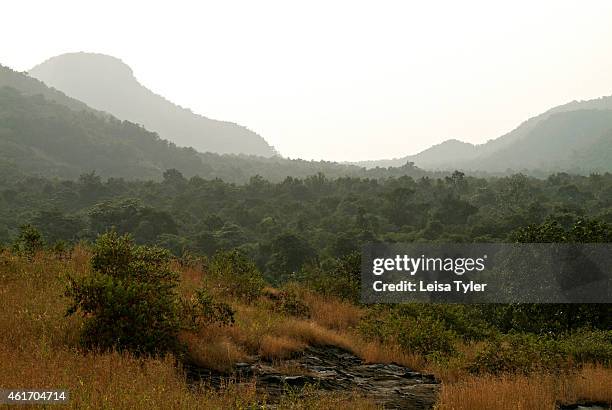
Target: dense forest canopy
x,y
74,173
285,225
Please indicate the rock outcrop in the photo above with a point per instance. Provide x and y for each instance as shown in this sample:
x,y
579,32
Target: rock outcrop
x,y
333,369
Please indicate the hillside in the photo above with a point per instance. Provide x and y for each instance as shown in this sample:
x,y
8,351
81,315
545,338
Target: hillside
x,y
552,141
106,83
31,86
43,137
44,132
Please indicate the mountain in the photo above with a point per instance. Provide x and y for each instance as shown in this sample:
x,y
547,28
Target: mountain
x,y
552,144
31,86
41,137
563,138
452,151
108,84
43,132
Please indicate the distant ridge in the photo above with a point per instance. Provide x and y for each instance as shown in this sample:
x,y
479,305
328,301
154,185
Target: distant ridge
x,y
45,133
571,137
108,84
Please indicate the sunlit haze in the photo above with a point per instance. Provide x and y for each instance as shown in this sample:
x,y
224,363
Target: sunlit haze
x,y
338,80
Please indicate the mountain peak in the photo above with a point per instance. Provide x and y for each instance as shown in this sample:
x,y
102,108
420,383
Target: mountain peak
x,y
108,84
94,63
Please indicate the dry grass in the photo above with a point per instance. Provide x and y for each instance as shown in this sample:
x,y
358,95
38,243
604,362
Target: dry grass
x,y
312,334
279,347
332,313
593,383
213,352
265,333
532,392
39,348
377,353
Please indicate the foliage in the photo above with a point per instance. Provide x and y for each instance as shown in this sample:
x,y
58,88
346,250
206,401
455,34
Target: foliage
x,y
29,241
129,300
312,221
340,278
558,318
589,346
583,230
288,302
237,275
417,333
518,352
202,309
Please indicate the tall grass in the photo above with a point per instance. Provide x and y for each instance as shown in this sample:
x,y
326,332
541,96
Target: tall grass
x,y
537,391
39,349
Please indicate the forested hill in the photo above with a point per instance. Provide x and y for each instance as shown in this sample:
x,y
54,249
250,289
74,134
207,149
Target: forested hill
x,y
38,136
31,86
572,137
43,132
108,84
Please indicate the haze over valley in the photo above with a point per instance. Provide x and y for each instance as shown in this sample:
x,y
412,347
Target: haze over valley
x,y
575,137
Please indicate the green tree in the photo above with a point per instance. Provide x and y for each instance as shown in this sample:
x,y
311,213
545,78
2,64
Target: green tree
x,y
129,299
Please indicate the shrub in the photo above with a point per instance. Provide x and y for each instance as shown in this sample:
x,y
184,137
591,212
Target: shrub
x,y
236,275
518,353
61,249
129,300
589,346
287,301
341,279
29,241
422,334
202,309
426,336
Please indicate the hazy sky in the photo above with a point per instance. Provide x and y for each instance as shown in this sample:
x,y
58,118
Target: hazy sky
x,y
338,80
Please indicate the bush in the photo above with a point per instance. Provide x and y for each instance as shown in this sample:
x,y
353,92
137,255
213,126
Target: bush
x,y
518,353
202,309
342,279
589,346
426,336
129,300
28,242
288,302
236,275
61,249
417,334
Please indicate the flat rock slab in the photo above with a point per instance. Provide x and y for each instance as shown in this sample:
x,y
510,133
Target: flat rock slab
x,y
333,369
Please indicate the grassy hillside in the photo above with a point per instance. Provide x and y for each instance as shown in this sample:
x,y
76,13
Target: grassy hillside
x,y
41,346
